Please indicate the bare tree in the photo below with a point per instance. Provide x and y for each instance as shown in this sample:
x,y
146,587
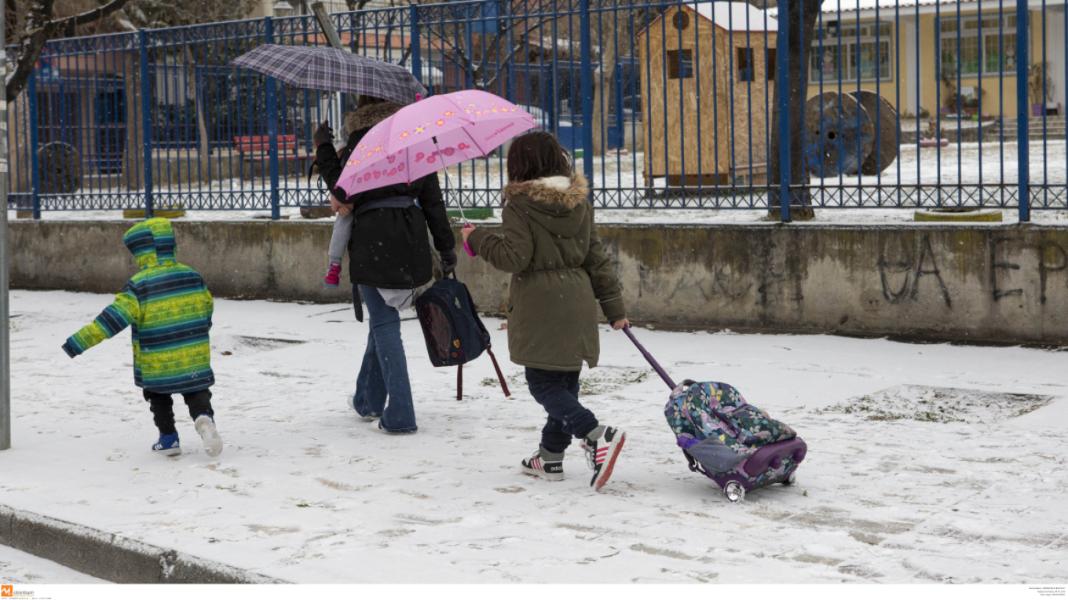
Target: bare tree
x,y
167,13
511,36
41,24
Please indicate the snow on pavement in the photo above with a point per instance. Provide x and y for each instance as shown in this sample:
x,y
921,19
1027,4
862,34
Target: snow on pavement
x,y
305,491
18,567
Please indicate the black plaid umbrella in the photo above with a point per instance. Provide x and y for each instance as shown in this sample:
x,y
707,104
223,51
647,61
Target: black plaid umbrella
x,y
332,70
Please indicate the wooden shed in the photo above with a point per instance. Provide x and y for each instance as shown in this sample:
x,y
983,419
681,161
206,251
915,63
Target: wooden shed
x,y
718,57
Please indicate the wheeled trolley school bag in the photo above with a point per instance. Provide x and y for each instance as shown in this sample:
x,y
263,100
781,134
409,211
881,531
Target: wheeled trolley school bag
x,y
732,442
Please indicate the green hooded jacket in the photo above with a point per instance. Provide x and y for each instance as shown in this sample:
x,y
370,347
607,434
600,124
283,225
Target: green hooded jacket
x,y
560,273
168,309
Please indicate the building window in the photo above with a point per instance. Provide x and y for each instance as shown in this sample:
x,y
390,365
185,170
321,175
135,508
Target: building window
x,y
849,53
744,63
769,64
680,64
974,46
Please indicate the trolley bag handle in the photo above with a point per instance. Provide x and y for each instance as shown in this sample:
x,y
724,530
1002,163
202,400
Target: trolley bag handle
x,y
649,357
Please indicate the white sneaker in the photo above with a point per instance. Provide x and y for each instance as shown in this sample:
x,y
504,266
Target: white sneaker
x,y
551,470
213,443
601,455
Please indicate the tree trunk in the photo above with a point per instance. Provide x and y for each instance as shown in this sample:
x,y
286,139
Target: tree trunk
x,y
602,93
803,15
203,141
132,169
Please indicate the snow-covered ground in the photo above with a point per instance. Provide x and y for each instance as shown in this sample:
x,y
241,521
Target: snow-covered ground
x,y
901,484
18,567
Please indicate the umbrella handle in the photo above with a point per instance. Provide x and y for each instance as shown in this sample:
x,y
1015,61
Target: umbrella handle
x,y
460,207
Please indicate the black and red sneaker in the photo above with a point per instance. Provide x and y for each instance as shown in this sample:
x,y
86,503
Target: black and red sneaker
x,y
552,470
601,454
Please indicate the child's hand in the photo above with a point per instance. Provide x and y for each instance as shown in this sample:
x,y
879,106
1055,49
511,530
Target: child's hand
x,y
620,324
466,231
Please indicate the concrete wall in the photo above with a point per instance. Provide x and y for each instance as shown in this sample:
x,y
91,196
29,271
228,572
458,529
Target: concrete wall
x,y
963,283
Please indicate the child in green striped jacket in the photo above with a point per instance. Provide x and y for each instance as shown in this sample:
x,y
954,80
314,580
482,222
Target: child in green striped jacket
x,y
168,308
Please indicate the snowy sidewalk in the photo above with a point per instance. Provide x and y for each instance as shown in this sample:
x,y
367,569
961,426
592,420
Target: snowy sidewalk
x,y
306,492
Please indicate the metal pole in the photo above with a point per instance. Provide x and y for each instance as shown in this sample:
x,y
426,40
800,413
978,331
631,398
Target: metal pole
x,y
1023,25
5,322
417,53
782,98
586,86
272,127
146,122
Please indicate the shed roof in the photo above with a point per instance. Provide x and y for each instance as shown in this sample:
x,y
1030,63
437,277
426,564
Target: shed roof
x,y
731,16
888,6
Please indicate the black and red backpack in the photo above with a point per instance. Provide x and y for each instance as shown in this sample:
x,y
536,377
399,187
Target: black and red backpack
x,y
453,331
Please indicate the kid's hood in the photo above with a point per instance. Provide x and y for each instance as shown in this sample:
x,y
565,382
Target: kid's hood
x,y
558,203
151,242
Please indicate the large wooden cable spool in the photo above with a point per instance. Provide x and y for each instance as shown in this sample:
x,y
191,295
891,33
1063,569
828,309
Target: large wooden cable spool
x,y
838,135
60,168
885,138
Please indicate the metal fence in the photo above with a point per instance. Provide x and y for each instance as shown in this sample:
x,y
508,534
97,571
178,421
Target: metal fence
x,y
897,103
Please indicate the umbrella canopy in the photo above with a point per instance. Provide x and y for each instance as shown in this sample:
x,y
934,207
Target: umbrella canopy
x,y
429,135
332,70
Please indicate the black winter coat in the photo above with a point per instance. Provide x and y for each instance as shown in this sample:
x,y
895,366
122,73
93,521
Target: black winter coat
x,y
389,246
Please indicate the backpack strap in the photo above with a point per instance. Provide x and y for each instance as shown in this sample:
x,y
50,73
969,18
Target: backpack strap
x,y
500,376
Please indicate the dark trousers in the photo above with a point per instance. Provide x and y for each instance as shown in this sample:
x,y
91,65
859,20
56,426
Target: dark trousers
x,y
162,406
557,392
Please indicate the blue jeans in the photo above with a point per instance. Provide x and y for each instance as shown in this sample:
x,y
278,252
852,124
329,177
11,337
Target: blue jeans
x,y
557,392
384,372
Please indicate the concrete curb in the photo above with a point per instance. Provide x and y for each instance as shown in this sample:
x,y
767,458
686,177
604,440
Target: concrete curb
x,y
112,557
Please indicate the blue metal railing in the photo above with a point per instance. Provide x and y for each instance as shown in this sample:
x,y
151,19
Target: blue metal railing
x,y
666,104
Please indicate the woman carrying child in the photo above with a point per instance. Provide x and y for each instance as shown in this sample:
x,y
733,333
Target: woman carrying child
x,y
385,230
560,274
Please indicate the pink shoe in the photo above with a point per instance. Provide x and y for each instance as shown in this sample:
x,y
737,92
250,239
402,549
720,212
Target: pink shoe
x,y
333,275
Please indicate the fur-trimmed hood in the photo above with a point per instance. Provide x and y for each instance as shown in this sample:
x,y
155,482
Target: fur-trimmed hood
x,y
556,203
369,115
554,192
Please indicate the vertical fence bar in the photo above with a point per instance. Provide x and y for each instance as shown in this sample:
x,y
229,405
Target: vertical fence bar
x,y
272,125
146,121
34,126
586,85
782,99
1023,26
5,342
417,53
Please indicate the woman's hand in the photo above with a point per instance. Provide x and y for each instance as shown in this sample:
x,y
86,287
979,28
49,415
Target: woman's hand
x,y
323,135
466,231
620,324
338,207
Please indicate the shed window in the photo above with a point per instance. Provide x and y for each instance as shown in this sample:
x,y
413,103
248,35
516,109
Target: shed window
x,y
680,64
769,64
744,64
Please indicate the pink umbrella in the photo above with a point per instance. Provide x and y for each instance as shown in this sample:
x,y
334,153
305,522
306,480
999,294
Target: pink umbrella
x,y
429,135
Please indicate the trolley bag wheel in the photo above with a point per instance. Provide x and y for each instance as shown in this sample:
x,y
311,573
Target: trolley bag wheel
x,y
838,135
734,491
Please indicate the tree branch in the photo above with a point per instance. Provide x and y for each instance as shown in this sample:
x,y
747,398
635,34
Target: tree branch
x,y
523,44
90,16
40,27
